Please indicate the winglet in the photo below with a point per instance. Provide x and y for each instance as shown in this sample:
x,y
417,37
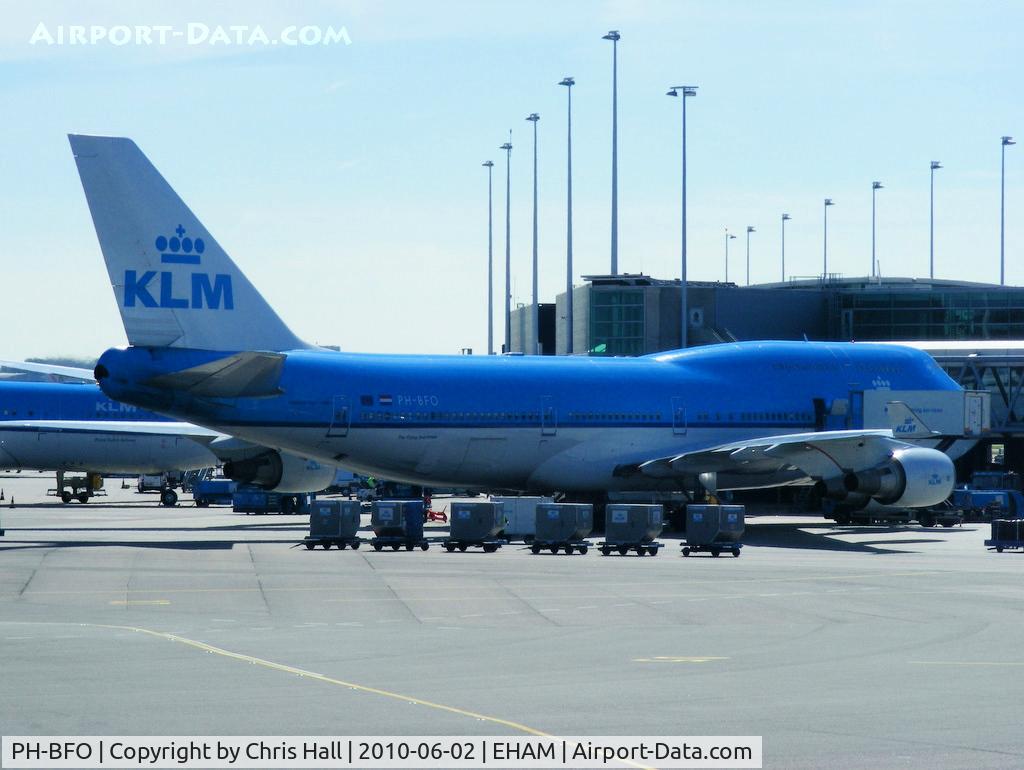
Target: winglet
x,y
906,423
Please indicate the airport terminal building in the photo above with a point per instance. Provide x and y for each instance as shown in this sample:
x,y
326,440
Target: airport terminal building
x,y
629,315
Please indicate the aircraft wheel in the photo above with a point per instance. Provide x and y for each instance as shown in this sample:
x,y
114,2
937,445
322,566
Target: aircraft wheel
x,y
169,498
65,497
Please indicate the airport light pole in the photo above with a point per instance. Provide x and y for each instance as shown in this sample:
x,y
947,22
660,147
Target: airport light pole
x,y
750,229
931,219
568,82
489,164
824,274
685,91
785,218
533,117
875,187
507,147
728,237
1006,141
614,36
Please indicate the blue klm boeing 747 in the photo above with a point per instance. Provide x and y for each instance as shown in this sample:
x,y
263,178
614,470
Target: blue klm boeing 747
x,y
206,347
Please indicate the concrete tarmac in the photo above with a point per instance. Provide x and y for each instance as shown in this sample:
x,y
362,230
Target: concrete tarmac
x,y
853,647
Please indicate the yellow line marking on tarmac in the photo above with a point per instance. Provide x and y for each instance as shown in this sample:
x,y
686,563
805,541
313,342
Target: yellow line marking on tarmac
x,y
339,682
129,602
679,659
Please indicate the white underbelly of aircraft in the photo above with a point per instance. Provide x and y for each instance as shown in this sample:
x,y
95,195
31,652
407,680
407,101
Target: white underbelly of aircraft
x,y
103,452
517,458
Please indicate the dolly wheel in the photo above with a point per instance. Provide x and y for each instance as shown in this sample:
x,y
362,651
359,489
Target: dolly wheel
x,y
449,547
463,547
424,546
686,550
716,552
310,546
605,550
569,550
535,549
377,546
355,546
326,545
652,551
736,552
583,550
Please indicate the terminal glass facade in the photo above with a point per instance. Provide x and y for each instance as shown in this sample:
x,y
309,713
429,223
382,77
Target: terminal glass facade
x,y
931,315
617,322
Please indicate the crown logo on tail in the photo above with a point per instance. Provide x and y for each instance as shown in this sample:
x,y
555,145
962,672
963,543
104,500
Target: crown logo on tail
x,y
179,249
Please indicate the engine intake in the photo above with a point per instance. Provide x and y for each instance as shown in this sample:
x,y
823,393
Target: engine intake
x,y
915,477
277,472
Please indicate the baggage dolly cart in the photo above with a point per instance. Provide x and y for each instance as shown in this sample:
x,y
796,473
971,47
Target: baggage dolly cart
x,y
608,547
397,542
714,550
569,546
489,546
341,542
1006,534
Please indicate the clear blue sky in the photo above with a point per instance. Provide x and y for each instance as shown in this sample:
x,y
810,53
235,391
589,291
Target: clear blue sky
x,y
346,179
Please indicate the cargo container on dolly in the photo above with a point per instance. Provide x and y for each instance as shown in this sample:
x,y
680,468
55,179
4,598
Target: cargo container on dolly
x,y
1006,534
476,525
632,528
397,524
563,526
714,529
334,522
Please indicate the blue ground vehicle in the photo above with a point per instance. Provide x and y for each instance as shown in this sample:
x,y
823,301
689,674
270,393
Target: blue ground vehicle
x,y
255,500
990,495
214,492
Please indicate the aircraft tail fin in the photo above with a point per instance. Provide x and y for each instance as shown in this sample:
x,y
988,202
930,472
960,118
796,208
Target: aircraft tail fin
x,y
175,286
906,423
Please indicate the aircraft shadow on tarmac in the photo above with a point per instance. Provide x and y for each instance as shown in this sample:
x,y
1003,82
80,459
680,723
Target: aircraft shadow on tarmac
x,y
167,545
796,536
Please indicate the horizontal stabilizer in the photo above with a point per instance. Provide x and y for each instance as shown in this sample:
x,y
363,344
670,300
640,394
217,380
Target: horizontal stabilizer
x,y
250,375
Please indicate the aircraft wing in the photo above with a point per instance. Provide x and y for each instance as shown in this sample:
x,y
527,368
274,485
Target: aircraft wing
x,y
823,454
150,428
68,372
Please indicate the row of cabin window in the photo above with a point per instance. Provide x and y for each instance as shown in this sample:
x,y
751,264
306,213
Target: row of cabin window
x,y
634,417
382,416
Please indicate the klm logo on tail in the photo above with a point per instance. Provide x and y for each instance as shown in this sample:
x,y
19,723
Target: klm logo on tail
x,y
907,427
179,249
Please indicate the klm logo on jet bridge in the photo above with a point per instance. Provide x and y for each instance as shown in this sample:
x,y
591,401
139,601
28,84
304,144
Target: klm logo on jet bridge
x,y
908,426
179,249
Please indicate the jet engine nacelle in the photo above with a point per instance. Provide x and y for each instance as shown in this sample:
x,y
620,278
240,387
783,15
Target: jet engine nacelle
x,y
915,478
277,472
